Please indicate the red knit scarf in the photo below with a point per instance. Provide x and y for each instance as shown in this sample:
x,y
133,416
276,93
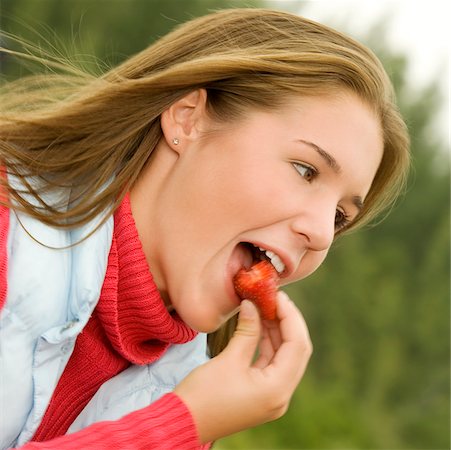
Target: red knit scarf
x,y
129,325
4,226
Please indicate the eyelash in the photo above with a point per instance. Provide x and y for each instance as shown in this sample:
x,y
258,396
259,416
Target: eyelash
x,y
341,218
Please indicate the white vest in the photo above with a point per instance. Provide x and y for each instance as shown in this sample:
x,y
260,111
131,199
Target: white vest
x,y
51,295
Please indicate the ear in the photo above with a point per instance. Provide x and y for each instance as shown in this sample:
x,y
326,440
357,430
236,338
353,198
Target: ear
x,y
181,122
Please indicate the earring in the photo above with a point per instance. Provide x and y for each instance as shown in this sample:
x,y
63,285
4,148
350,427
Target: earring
x,y
176,141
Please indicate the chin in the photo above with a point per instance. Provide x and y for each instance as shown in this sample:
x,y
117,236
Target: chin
x,y
206,326
205,322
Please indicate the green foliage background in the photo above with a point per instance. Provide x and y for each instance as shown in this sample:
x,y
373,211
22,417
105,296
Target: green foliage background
x,y
379,308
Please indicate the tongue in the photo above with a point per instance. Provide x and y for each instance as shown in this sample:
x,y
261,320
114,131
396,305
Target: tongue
x,y
241,257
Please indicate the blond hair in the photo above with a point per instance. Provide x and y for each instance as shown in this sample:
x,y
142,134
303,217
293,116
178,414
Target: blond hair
x,y
85,132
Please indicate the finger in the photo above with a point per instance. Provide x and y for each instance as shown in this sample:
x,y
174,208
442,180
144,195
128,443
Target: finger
x,y
273,331
271,328
295,350
271,341
245,339
292,325
265,350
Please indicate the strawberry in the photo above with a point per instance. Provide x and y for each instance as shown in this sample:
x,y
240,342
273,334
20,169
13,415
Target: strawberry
x,y
259,284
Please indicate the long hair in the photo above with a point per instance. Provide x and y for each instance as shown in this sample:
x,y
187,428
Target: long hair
x,y
93,135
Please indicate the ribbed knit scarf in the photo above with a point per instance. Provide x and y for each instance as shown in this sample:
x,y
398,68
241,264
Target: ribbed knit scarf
x,y
129,325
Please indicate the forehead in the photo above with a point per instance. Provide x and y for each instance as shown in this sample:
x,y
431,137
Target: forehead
x,y
342,125
338,110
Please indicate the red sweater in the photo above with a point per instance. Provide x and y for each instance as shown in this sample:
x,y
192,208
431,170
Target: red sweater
x,y
129,325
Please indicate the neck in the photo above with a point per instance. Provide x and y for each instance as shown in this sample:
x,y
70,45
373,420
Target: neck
x,y
146,202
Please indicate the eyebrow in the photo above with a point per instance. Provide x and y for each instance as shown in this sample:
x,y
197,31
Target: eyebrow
x,y
357,202
330,160
333,164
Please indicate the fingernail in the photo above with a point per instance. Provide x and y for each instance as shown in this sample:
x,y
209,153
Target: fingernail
x,y
247,310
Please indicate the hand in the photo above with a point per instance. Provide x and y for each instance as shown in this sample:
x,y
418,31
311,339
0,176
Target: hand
x,y
233,392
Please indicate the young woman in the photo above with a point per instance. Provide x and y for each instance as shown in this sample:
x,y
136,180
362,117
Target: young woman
x,y
130,201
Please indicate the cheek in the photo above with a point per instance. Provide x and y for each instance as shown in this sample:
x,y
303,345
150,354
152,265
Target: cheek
x,y
314,260
310,262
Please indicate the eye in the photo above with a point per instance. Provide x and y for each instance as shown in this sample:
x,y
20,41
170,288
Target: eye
x,y
307,172
341,220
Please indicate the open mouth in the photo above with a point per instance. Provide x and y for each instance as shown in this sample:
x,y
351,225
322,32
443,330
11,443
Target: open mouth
x,y
261,254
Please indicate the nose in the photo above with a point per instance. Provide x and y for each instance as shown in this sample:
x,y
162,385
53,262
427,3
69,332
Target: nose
x,y
317,224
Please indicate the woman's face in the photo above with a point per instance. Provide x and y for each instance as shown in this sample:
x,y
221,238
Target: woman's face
x,y
281,181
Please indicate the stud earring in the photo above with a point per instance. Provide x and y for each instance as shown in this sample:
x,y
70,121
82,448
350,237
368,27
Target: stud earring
x,y
176,141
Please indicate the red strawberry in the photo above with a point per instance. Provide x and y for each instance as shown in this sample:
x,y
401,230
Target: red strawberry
x,y
259,284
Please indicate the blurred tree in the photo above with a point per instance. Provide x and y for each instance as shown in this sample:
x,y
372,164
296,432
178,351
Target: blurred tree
x,y
112,30
378,310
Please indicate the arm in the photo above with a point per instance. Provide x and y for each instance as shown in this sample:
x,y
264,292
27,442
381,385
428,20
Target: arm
x,y
228,394
231,392
165,424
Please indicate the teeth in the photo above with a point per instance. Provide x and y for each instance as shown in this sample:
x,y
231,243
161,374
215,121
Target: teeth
x,y
275,260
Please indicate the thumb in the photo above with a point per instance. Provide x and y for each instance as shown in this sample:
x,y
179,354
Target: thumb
x,y
247,334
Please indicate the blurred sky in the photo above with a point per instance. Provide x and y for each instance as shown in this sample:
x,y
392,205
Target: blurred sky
x,y
421,28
